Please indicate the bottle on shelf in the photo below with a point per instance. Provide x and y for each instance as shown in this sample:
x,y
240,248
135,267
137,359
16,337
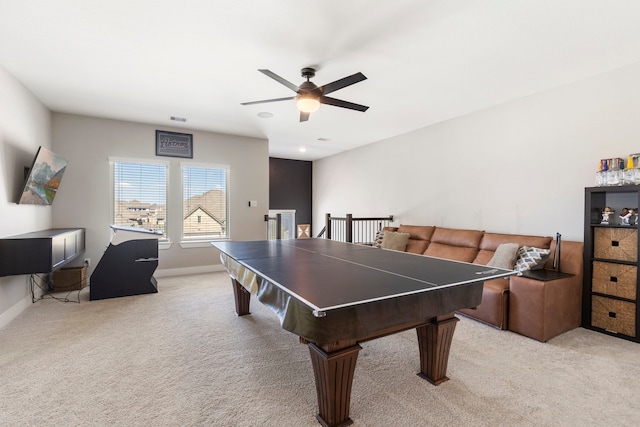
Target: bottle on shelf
x,y
599,181
613,174
629,173
636,168
605,170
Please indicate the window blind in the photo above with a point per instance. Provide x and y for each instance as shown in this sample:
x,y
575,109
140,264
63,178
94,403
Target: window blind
x,y
140,195
205,202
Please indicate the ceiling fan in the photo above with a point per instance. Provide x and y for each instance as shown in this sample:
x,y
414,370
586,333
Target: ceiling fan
x,y
309,96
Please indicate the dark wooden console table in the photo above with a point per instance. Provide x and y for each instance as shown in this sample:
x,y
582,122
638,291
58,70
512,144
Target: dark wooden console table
x,y
40,251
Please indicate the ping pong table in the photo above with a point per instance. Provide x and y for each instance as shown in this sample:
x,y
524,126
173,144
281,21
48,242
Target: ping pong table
x,y
336,295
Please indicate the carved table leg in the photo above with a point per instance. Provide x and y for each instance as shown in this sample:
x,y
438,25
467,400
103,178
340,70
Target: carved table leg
x,y
434,340
242,296
334,376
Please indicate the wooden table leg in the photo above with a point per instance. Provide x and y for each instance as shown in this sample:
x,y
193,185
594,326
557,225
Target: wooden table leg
x,y
334,376
434,340
242,296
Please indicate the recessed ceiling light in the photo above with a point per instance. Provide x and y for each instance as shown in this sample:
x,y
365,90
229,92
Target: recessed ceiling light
x,y
265,115
302,149
178,119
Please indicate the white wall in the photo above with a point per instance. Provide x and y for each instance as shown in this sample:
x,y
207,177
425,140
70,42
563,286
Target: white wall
x,y
83,198
25,124
519,167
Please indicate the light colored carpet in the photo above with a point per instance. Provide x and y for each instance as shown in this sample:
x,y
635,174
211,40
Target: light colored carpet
x,y
182,357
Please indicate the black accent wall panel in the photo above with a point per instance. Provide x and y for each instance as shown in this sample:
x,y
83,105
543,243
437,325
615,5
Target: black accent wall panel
x,y
290,187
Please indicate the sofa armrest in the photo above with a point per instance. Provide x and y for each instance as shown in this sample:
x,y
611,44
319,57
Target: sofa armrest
x,y
544,309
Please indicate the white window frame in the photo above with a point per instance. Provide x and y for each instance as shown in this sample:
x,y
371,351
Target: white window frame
x,y
189,242
165,242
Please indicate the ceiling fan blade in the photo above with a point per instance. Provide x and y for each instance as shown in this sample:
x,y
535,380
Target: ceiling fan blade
x,y
344,104
268,100
280,80
344,82
304,116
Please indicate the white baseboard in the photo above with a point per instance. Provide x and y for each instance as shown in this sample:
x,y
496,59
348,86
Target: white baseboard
x,y
13,312
170,272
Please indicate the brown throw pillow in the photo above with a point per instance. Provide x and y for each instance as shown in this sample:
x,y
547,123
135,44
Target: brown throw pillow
x,y
395,241
504,256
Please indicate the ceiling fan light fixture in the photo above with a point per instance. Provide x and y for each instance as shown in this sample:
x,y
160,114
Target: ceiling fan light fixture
x,y
309,96
307,103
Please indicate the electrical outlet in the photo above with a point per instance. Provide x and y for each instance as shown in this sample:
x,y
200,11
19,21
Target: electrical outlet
x,y
87,262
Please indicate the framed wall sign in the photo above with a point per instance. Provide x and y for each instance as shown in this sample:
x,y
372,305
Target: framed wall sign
x,y
174,144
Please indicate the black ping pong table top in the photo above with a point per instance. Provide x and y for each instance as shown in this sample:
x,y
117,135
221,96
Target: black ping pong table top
x,y
325,274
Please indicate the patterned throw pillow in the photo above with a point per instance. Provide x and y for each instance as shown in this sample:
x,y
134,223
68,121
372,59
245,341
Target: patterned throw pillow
x,y
377,243
530,258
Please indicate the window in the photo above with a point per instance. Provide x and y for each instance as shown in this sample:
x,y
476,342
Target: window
x,y
205,202
139,194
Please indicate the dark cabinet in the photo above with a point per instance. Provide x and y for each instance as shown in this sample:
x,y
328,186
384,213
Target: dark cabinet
x,y
610,289
40,251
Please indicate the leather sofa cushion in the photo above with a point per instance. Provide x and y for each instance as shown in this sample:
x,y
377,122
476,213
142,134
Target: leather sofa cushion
x,y
455,253
416,246
419,237
418,232
457,237
497,285
494,307
458,245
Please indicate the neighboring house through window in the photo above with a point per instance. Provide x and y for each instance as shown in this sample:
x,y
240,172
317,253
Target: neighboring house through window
x,y
139,198
205,198
139,194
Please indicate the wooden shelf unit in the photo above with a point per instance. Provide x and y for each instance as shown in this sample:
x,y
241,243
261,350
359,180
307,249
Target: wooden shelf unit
x,y
610,289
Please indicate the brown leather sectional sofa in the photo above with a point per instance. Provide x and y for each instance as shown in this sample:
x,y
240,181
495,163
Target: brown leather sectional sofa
x,y
535,308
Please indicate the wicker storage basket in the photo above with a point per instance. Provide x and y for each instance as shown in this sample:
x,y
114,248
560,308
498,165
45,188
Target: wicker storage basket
x,y
69,279
620,244
614,279
613,315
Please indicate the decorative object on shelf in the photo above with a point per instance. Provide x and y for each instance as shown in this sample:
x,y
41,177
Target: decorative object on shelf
x,y
173,144
304,231
628,216
601,175
614,171
606,213
631,174
624,216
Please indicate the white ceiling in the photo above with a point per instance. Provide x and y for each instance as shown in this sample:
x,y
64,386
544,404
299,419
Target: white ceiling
x,y
426,61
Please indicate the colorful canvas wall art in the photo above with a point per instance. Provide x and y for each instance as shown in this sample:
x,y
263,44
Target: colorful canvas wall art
x,y
43,180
